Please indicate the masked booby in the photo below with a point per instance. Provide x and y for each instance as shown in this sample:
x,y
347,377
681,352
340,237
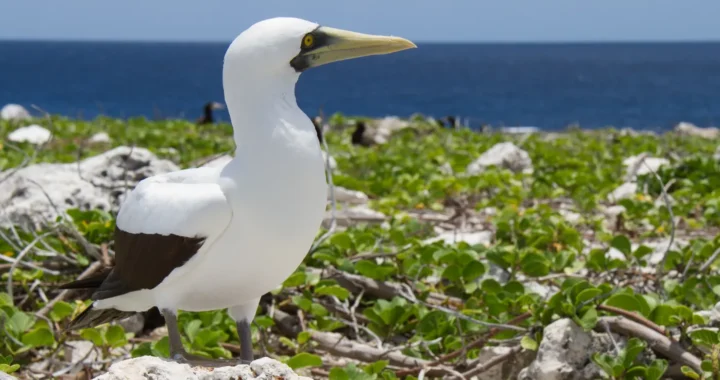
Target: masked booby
x,y
215,238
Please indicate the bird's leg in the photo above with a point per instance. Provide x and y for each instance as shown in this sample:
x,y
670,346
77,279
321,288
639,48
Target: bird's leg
x,y
177,351
243,315
245,337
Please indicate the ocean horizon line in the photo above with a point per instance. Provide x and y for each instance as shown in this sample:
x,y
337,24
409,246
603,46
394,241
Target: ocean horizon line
x,y
420,42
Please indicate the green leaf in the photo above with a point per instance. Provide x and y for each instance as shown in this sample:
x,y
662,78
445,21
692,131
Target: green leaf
x,y
622,244
341,240
452,273
304,359
529,343
61,310
663,315
5,299
303,337
20,322
337,373
7,368
704,336
92,334
586,295
295,279
473,270
333,290
625,302
687,371
39,337
161,348
589,319
536,268
143,349
656,369
192,328
376,367
634,347
115,336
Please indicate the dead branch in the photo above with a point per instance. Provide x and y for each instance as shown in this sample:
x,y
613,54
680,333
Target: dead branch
x,y
479,343
634,317
478,368
656,341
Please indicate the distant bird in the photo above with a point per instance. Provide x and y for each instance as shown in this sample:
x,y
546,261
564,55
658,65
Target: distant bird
x,y
359,135
447,121
221,237
208,117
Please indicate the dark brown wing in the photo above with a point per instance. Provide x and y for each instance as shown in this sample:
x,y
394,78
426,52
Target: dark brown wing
x,y
142,261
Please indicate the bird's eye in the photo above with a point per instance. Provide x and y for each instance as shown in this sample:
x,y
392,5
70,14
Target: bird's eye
x,y
308,41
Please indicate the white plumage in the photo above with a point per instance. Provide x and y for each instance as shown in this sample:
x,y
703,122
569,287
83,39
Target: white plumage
x,y
234,232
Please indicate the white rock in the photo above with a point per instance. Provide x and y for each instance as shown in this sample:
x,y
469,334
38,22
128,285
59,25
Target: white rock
x,y
508,369
446,169
653,162
712,315
660,246
689,129
33,134
14,112
506,155
563,354
496,273
149,367
614,254
83,351
99,138
95,183
343,195
472,238
538,288
626,190
570,216
521,130
352,215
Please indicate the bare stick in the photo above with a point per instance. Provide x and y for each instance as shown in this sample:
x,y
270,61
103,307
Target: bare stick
x,y
18,259
479,343
709,261
333,202
656,341
634,317
661,268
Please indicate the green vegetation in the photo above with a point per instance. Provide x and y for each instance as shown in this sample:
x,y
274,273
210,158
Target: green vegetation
x,y
435,301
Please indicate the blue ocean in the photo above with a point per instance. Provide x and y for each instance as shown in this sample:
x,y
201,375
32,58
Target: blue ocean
x,y
549,86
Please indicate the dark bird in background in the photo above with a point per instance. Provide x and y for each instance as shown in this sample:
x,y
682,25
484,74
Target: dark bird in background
x,y
447,121
208,117
358,135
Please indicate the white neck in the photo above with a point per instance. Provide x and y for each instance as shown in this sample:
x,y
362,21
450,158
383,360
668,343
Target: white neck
x,y
261,106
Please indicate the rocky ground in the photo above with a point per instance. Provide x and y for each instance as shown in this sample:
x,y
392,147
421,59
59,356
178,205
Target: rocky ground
x,y
445,253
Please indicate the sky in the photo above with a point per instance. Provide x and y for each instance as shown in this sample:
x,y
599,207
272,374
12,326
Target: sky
x,y
419,20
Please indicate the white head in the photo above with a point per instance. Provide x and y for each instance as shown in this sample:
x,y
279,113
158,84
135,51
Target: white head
x,y
264,62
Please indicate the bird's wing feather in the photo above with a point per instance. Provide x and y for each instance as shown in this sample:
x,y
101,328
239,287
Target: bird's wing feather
x,y
161,225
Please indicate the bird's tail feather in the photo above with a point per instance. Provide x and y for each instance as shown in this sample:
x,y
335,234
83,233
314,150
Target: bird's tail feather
x,y
92,317
91,282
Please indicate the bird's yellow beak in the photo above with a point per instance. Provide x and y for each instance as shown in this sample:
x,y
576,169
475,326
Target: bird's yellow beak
x,y
326,45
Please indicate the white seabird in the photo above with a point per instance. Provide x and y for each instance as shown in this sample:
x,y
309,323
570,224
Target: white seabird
x,y
221,237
